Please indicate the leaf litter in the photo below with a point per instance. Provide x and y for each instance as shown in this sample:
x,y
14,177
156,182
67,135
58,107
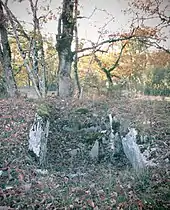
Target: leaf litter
x,y
80,184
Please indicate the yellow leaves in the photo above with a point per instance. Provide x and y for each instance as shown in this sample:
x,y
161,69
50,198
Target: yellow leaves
x,y
159,59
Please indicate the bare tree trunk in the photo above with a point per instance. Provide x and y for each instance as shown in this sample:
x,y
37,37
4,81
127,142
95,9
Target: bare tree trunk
x,y
43,85
76,49
35,61
64,40
5,58
22,52
39,60
29,80
39,81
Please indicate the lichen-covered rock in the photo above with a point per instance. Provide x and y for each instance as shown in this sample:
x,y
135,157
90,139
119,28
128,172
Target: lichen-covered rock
x,y
38,136
132,151
94,152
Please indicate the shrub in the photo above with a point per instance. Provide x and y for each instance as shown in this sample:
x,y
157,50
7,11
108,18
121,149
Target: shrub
x,y
158,82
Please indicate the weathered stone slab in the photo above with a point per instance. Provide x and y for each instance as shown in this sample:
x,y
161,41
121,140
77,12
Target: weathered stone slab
x,y
38,136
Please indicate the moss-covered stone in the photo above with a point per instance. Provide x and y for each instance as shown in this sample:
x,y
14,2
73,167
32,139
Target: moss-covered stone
x,y
90,138
82,110
43,110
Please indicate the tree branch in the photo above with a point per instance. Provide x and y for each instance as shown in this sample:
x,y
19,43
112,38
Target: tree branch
x,y
10,14
91,53
154,44
108,75
118,59
105,42
19,70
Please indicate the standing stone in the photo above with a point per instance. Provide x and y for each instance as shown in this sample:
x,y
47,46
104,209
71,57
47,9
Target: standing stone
x,y
132,151
94,153
38,137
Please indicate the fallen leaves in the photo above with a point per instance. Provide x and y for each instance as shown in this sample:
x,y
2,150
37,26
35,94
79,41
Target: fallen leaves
x,y
94,186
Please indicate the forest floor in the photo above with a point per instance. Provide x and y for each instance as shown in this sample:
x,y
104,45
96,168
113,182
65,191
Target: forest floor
x,y
89,185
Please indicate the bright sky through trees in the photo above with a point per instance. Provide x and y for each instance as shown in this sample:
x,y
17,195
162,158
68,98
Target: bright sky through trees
x,y
108,12
88,28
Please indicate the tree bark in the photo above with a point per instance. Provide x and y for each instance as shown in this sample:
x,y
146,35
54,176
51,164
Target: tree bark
x,y
38,82
39,60
64,40
76,49
5,58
